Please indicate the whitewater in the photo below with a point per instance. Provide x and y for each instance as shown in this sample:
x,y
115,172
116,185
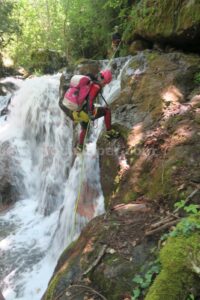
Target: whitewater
x,y
38,142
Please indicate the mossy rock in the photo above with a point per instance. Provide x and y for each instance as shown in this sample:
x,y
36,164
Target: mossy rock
x,y
170,21
47,61
178,258
85,66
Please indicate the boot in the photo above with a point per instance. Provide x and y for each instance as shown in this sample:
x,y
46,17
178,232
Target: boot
x,y
79,148
112,134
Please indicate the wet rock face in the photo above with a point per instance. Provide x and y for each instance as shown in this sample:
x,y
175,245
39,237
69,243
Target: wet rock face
x,y
169,22
158,106
7,87
104,259
154,163
6,90
11,185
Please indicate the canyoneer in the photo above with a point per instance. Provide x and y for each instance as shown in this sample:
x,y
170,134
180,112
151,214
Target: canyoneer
x,y
116,41
78,103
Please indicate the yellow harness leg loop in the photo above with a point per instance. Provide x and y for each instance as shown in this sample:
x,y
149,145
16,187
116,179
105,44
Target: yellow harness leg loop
x,y
80,116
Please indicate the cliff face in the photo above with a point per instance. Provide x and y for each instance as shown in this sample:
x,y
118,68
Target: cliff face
x,y
152,165
157,112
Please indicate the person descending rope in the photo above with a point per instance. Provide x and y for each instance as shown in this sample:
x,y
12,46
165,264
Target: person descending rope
x,y
116,40
78,103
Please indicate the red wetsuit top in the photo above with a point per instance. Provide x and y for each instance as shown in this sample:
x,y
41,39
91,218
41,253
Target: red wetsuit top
x,y
100,112
93,93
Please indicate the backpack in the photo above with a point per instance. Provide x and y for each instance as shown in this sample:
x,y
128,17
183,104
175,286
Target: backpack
x,y
75,96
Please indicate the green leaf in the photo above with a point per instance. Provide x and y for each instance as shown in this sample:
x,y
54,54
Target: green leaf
x,y
192,208
148,277
180,204
145,284
136,294
138,279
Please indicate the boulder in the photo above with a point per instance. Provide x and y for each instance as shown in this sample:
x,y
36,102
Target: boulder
x,y
11,178
104,259
47,61
7,87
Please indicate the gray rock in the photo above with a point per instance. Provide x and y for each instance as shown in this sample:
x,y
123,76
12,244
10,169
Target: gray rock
x,y
11,183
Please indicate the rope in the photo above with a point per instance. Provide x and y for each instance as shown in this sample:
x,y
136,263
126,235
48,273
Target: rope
x,y
81,175
104,100
111,59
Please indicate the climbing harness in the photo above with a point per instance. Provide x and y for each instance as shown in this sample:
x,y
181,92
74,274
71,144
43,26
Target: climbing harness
x,y
80,116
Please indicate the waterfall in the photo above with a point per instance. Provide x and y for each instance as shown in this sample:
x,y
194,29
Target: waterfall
x,y
37,146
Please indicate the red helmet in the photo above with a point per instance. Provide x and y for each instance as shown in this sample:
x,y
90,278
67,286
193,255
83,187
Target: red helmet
x,y
106,75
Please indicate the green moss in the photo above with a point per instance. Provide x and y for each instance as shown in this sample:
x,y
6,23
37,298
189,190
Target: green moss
x,y
63,278
130,196
50,292
166,18
161,181
197,78
177,276
189,15
151,19
151,56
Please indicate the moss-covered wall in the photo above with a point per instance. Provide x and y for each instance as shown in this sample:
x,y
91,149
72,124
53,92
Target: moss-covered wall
x,y
178,257
169,21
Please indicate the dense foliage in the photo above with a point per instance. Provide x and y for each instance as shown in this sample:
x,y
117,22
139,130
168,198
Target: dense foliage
x,y
74,27
8,25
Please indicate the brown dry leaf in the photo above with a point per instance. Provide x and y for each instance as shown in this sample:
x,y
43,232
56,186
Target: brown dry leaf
x,y
181,187
134,243
87,280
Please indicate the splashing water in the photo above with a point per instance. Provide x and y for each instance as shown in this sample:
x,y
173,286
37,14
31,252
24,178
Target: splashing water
x,y
37,228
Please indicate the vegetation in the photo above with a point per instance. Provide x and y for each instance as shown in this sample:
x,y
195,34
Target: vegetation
x,y
180,263
197,78
8,24
83,28
179,258
143,282
74,27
